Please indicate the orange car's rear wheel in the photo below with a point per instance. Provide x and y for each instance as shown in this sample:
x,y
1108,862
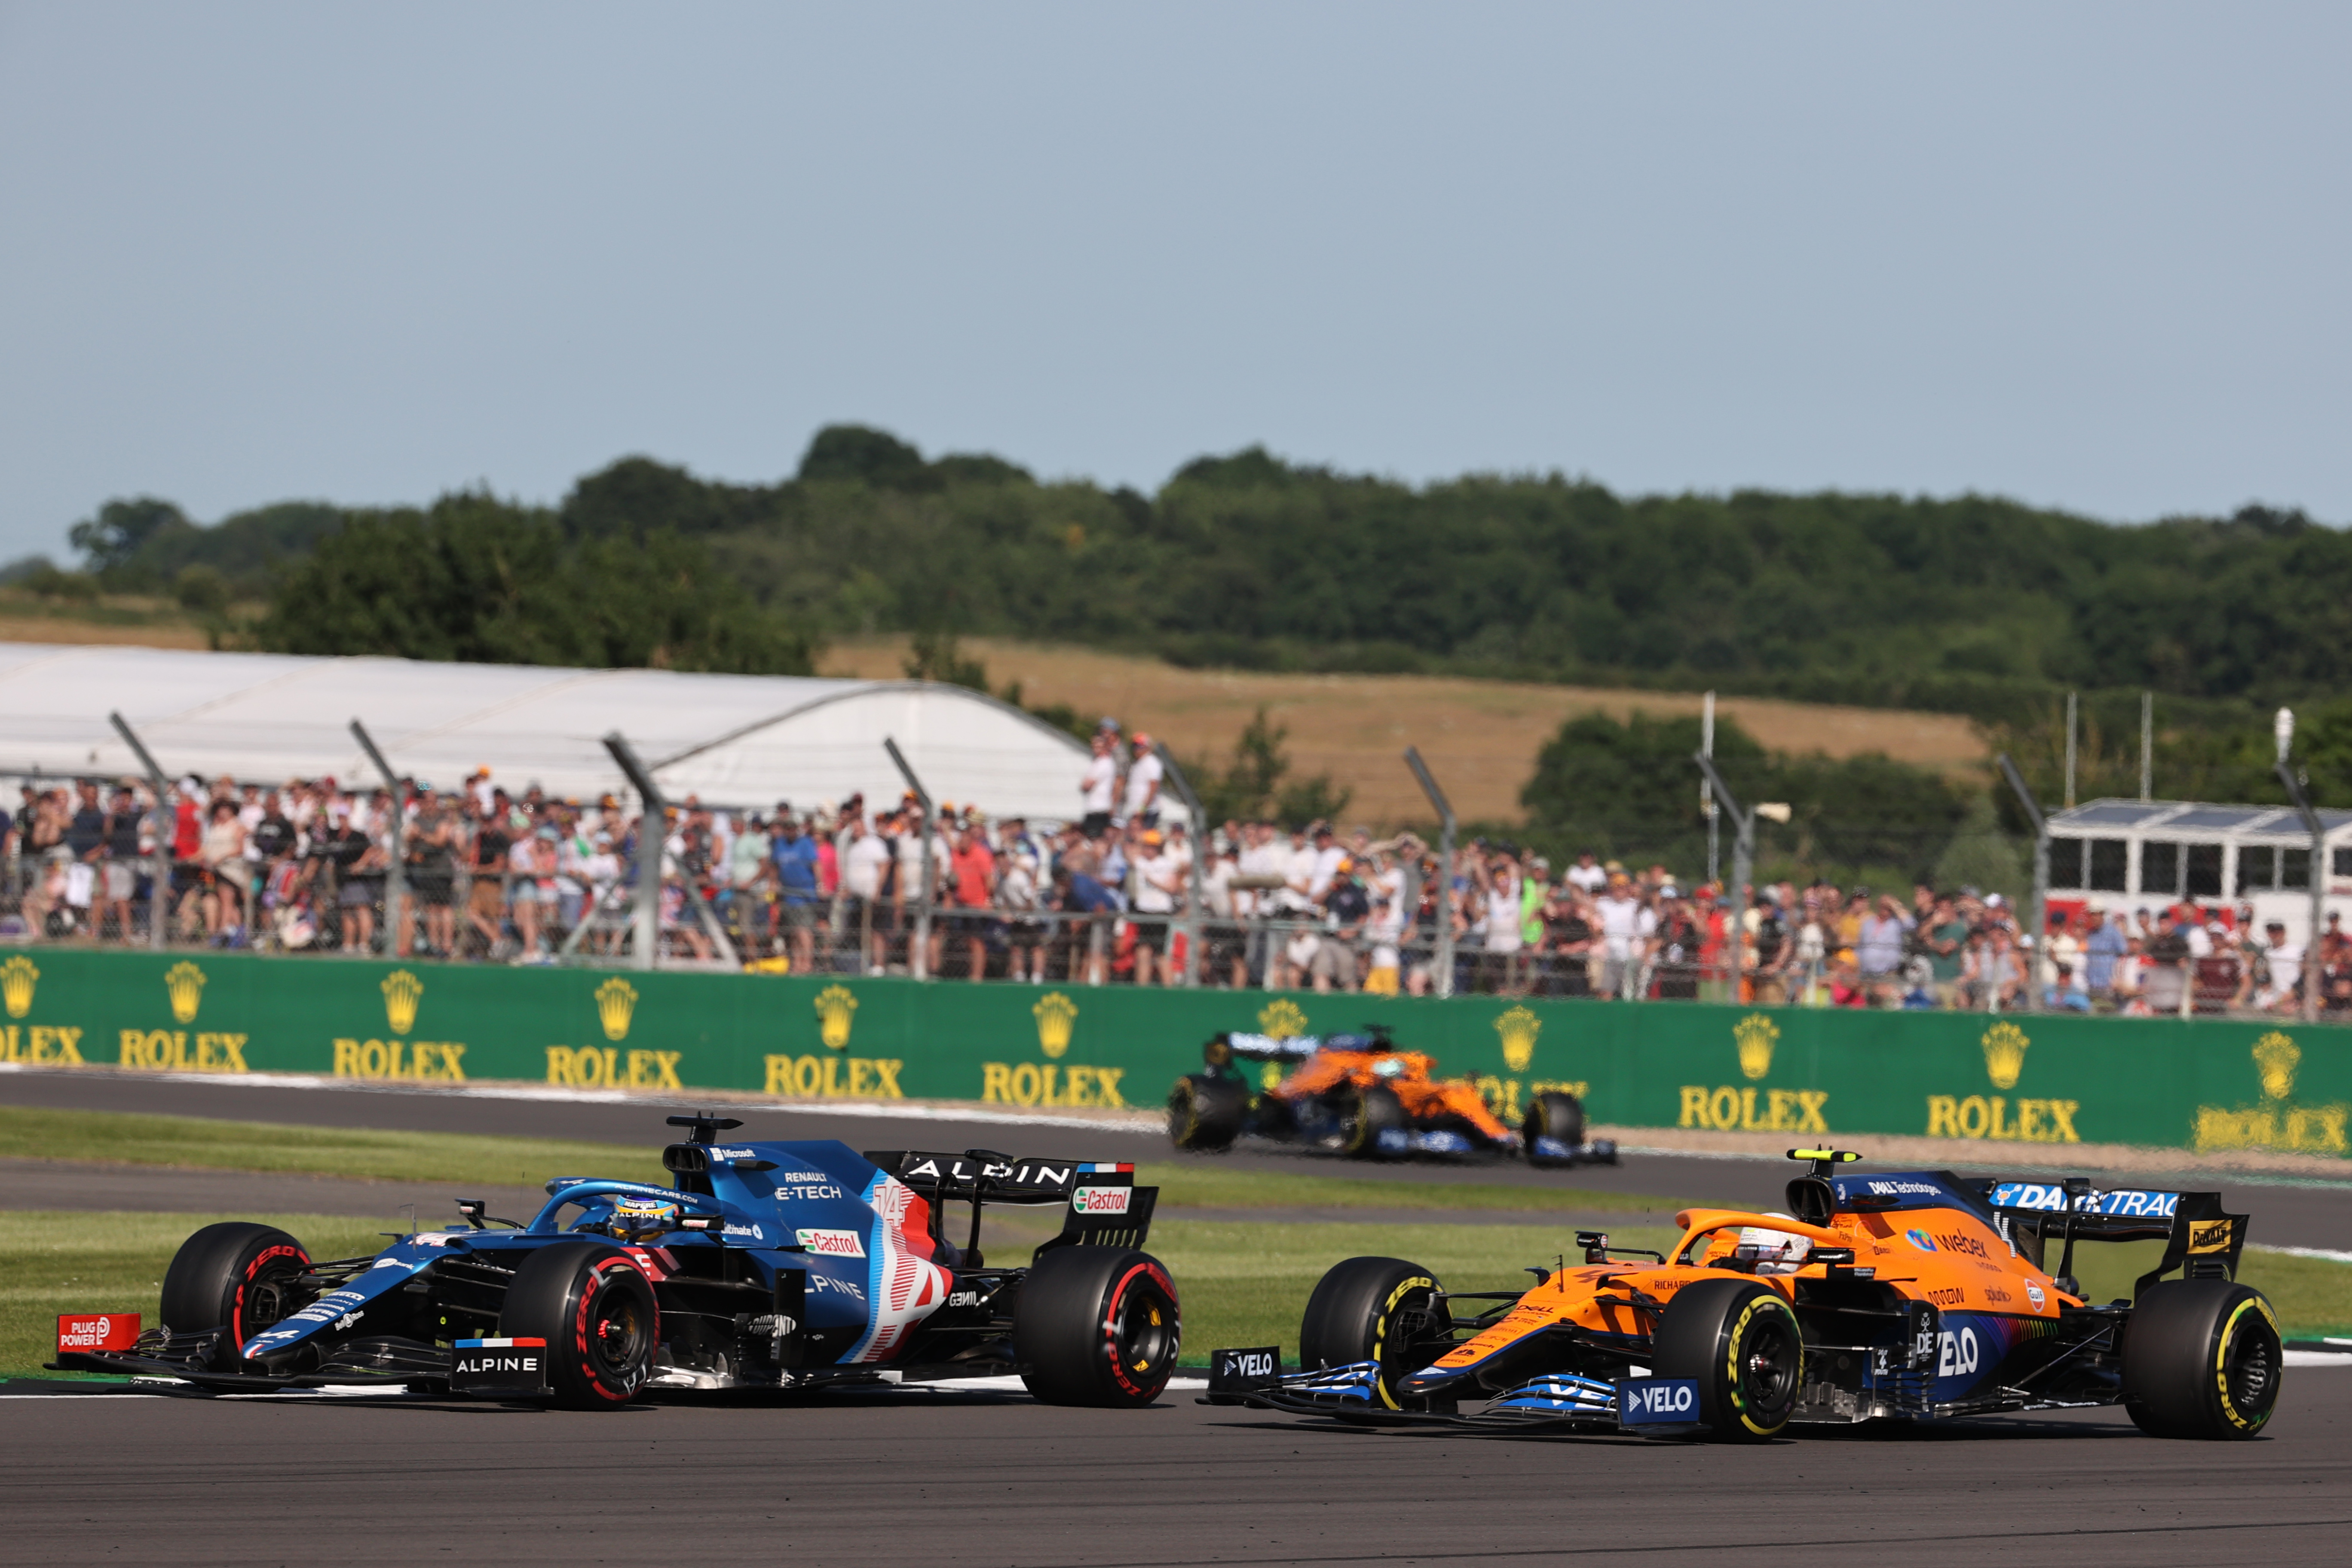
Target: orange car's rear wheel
x,y
1739,1341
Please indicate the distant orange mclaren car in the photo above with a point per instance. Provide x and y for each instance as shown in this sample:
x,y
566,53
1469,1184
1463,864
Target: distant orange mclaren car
x,y
1358,1095
1915,1296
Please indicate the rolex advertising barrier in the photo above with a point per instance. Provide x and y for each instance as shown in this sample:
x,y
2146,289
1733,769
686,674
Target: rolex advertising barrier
x,y
2201,1085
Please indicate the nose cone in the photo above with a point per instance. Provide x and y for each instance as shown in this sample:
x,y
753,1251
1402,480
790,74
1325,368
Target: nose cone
x,y
1429,1381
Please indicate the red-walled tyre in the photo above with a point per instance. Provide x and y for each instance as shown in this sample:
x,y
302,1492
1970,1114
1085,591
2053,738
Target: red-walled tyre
x,y
595,1308
1097,1325
236,1277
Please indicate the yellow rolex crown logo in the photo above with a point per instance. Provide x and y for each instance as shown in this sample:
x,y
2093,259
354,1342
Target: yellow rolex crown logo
x,y
401,991
1757,1034
2004,1049
835,1008
1518,1028
185,981
2275,1054
617,1002
1282,1019
1055,1014
17,978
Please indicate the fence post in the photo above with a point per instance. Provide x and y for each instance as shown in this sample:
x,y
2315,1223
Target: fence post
x,y
1188,918
1443,961
396,876
654,826
2041,934
159,878
918,961
1743,864
2312,972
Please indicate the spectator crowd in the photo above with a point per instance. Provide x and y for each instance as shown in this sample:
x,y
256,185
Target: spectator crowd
x,y
1118,893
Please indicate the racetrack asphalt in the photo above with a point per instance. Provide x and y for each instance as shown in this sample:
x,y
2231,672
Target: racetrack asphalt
x,y
2287,1211
902,1476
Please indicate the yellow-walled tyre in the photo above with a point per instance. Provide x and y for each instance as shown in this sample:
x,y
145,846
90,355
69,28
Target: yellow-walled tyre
x,y
1205,1114
1739,1341
1377,1308
2201,1359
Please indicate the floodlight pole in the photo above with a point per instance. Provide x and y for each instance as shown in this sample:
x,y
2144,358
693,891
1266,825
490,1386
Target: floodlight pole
x,y
2311,966
919,961
652,837
1706,790
1743,863
1443,959
395,879
1188,920
159,876
2041,888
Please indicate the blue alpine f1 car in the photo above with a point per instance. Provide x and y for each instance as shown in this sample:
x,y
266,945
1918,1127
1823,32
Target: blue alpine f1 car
x,y
764,1266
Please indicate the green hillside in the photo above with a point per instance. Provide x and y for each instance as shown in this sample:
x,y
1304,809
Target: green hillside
x,y
1970,604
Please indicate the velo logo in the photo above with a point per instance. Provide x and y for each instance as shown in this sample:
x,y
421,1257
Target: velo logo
x,y
1957,1356
1642,1400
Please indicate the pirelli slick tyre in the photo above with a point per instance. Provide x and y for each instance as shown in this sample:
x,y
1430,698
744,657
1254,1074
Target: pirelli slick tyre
x,y
1205,1114
1739,1341
1098,1326
1372,1109
1383,1310
1556,1116
2201,1359
595,1308
235,1276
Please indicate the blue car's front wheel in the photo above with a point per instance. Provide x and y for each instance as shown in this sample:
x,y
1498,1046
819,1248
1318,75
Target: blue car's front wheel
x,y
594,1308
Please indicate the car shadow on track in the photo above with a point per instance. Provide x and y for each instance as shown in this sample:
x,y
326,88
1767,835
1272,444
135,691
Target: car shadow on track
x,y
1988,1429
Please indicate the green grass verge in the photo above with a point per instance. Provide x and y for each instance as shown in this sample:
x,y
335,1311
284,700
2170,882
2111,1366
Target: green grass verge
x,y
2312,1296
53,1263
1201,1184
1242,1283
197,1143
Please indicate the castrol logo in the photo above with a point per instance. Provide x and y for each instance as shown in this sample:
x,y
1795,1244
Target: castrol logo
x,y
832,1242
1101,1200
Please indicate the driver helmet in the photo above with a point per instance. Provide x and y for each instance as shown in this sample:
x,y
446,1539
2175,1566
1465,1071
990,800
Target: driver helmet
x,y
1389,1067
641,1218
1773,1251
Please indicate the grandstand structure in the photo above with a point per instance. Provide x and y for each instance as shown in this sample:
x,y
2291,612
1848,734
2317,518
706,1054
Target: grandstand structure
x,y
745,740
2221,857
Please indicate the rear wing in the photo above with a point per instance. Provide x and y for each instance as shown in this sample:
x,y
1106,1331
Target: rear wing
x,y
1236,1045
2200,1239
1101,1204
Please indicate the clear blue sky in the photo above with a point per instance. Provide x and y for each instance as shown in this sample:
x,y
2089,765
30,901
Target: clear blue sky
x,y
2082,254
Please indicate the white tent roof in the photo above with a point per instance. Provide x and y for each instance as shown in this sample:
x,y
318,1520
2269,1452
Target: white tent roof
x,y
737,740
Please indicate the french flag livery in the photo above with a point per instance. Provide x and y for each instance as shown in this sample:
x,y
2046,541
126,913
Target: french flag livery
x,y
766,1263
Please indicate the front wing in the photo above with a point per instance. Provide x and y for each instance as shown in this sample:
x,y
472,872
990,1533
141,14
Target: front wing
x,y
1556,1402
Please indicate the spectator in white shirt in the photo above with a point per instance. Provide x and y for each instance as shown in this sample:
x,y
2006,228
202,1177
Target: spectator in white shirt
x,y
1097,788
1158,882
1626,927
1328,858
1144,772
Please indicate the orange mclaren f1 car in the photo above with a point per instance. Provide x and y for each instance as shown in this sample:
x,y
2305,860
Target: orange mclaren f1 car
x,y
1358,1095
1916,1296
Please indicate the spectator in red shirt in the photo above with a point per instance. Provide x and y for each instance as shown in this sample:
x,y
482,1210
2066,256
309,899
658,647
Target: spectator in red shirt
x,y
972,871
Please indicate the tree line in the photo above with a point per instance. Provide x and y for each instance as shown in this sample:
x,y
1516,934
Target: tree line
x,y
1970,604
